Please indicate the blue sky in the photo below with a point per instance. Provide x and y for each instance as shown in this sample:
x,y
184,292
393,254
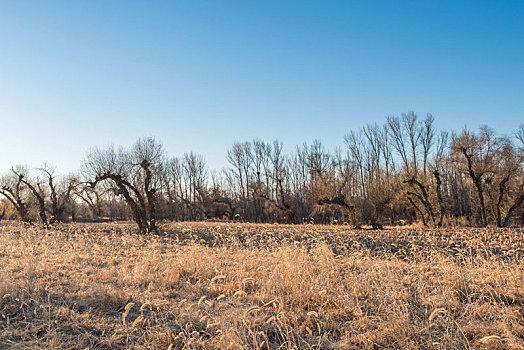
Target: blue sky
x,y
199,75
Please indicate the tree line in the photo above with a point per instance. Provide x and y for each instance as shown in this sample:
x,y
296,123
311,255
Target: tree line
x,y
398,172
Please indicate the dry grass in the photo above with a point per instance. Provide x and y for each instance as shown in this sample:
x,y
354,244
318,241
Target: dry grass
x,y
229,286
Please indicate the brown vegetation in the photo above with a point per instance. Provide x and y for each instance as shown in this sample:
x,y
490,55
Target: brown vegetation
x,y
259,286
403,171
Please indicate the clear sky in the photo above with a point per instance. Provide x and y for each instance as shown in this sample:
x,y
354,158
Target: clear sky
x,y
199,75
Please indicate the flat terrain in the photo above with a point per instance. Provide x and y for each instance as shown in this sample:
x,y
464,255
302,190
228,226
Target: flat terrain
x,y
235,286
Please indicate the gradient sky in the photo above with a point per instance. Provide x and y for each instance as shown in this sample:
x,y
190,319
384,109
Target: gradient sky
x,y
199,75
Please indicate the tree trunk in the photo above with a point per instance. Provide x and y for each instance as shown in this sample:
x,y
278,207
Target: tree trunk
x,y
502,188
477,180
424,199
150,195
418,210
516,204
41,202
436,173
482,207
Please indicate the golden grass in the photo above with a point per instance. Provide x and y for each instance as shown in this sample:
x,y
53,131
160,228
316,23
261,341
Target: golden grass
x,y
236,286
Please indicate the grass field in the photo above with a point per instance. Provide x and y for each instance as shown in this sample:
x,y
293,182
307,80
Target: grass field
x,y
236,286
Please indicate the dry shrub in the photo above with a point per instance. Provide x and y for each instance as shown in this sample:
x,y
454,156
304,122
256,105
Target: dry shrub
x,y
203,285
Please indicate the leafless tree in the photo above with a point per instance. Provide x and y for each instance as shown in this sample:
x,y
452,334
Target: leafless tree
x,y
411,137
12,188
37,192
91,196
427,135
508,180
474,155
59,193
440,162
194,169
279,198
519,135
135,173
239,156
396,130
354,144
390,173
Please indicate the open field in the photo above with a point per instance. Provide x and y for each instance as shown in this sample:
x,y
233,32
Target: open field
x,y
229,286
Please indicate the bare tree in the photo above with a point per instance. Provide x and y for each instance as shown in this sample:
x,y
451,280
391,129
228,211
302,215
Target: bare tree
x,y
474,155
239,157
279,198
427,135
135,175
354,144
396,130
398,171
12,188
89,195
59,193
37,192
413,131
194,170
508,175
519,135
439,164
257,158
